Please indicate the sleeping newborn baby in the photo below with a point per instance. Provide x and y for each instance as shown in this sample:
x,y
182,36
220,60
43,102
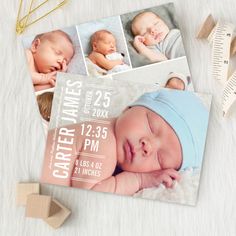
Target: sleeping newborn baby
x,y
49,52
153,38
104,52
155,137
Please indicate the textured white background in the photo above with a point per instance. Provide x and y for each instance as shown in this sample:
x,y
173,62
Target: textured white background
x,y
22,139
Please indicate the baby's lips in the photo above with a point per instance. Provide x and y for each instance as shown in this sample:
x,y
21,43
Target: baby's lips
x,y
60,67
54,68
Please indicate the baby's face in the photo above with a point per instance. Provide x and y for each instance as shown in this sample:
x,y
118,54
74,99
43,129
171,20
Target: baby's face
x,y
151,27
50,54
105,45
146,142
175,83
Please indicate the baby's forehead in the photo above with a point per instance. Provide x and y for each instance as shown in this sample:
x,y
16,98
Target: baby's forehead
x,y
53,37
144,15
149,13
143,18
103,35
175,79
145,111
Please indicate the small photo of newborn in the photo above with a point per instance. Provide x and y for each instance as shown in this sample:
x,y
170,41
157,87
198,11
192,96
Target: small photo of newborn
x,y
152,35
104,46
177,81
52,52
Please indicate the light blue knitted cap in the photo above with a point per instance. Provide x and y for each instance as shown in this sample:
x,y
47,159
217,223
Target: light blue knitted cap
x,y
188,117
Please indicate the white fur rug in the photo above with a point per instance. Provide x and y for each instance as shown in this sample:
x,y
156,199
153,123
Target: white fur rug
x,y
22,138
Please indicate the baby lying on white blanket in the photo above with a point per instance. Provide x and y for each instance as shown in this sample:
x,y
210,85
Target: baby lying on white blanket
x,y
104,53
153,38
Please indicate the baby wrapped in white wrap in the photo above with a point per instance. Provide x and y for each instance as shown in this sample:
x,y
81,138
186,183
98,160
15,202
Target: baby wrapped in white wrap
x,y
117,68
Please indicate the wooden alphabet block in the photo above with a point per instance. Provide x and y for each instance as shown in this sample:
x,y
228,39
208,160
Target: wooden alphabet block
x,y
38,206
58,214
23,190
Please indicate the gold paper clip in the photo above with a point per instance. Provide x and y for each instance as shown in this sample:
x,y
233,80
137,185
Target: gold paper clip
x,y
22,24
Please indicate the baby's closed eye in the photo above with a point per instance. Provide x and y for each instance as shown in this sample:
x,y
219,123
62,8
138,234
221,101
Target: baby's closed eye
x,y
57,51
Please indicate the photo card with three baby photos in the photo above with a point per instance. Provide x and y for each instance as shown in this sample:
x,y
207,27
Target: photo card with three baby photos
x,y
87,79
133,139
145,42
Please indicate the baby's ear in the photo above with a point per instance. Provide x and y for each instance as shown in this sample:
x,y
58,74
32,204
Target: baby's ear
x,y
35,44
94,46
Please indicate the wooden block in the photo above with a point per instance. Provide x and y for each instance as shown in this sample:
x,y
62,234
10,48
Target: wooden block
x,y
23,190
61,213
206,28
38,206
233,47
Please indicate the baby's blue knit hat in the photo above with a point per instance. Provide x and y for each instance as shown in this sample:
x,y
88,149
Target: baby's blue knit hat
x,y
188,117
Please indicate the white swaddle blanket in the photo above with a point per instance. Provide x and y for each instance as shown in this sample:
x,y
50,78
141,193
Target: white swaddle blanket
x,y
117,68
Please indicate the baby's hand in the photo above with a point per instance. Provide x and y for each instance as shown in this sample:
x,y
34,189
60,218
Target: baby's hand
x,y
47,78
64,66
155,178
52,82
51,78
139,43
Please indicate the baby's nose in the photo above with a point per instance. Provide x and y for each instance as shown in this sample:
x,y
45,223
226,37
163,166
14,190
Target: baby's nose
x,y
146,147
60,59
